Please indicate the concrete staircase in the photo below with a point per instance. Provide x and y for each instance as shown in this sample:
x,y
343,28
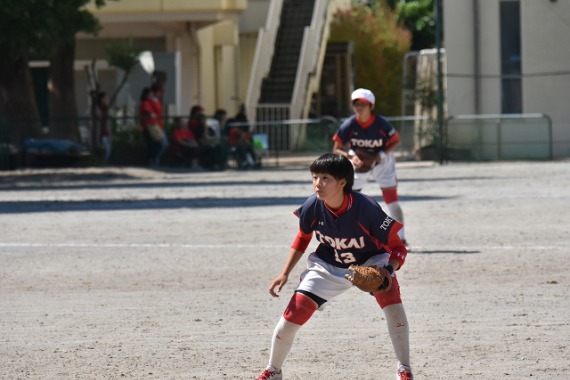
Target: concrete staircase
x,y
278,86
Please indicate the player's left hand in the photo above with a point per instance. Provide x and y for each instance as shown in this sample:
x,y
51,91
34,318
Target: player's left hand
x,y
364,160
370,279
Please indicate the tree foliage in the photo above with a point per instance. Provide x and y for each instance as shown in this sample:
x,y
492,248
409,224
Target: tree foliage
x,y
379,47
416,15
123,54
35,29
419,18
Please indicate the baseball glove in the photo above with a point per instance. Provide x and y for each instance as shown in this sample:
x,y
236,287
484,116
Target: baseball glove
x,y
369,159
370,279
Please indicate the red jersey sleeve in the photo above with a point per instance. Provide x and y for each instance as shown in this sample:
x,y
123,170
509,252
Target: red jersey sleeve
x,y
302,241
337,139
398,248
393,139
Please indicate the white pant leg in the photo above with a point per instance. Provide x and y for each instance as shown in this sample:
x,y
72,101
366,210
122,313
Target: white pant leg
x,y
385,173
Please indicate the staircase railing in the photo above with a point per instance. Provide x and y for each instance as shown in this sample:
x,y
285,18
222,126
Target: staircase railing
x,y
308,58
263,55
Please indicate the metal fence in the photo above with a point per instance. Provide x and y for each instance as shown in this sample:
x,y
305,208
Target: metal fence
x,y
464,137
273,138
498,137
6,154
316,134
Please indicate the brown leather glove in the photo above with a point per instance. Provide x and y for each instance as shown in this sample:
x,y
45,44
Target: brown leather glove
x,y
370,279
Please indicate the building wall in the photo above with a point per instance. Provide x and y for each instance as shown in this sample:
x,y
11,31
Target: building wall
x,y
201,37
545,26
218,63
546,50
248,44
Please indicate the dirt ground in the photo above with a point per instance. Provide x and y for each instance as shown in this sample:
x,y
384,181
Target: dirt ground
x,y
133,273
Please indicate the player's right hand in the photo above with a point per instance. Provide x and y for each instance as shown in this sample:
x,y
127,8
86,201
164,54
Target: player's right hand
x,y
279,282
356,161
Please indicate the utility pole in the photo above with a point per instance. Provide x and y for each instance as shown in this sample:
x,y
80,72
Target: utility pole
x,y
438,21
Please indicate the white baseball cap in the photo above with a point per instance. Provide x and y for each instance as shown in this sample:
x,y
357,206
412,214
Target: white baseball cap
x,y
363,94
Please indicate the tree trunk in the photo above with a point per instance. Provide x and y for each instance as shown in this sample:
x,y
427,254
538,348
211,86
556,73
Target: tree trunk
x,y
18,105
62,105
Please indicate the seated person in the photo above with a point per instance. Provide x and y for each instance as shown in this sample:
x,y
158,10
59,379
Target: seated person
x,y
197,122
212,152
207,135
240,145
184,145
240,141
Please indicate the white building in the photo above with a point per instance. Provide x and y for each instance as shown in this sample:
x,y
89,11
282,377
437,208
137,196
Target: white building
x,y
510,56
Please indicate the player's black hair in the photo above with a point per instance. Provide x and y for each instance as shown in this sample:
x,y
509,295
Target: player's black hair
x,y
336,165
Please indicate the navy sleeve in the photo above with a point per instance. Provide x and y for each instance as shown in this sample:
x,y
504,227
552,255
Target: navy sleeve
x,y
307,214
343,132
381,224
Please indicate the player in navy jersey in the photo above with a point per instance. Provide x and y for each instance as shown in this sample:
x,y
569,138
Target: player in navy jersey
x,y
372,132
351,228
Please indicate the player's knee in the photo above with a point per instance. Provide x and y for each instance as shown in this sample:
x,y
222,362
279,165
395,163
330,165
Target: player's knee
x,y
300,309
391,297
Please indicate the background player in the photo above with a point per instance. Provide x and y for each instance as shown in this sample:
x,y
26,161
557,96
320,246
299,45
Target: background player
x,y
352,229
373,133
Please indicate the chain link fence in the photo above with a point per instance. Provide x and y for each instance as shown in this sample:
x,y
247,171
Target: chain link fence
x,y
464,138
498,137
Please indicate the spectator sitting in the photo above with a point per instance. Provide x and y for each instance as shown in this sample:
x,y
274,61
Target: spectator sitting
x,y
185,147
208,136
240,142
197,122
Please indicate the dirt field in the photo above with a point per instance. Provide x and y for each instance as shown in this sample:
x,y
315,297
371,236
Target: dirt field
x,y
133,273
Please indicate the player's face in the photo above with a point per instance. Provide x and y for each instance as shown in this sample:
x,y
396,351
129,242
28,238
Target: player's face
x,y
362,109
328,188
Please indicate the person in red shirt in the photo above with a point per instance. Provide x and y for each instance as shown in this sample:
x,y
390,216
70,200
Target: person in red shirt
x,y
152,123
103,116
240,142
185,146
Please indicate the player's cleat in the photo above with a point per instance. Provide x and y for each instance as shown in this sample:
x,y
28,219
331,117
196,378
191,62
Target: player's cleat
x,y
404,373
269,374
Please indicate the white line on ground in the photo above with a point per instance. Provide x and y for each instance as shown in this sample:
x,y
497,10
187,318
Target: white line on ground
x,y
427,249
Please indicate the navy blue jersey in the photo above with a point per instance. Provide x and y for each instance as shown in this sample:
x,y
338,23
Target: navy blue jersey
x,y
374,135
351,238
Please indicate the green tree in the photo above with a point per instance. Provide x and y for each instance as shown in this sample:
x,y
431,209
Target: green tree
x,y
39,29
418,17
379,47
124,55
62,103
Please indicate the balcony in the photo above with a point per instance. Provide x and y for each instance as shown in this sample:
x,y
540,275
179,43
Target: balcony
x,y
167,10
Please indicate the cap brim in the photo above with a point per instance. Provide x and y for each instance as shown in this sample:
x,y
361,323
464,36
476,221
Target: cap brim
x,y
362,99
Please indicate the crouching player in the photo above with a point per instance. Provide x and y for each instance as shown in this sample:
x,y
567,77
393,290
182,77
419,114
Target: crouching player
x,y
346,224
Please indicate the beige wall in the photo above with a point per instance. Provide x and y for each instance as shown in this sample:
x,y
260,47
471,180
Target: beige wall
x,y
545,27
546,49
203,35
218,67
254,17
460,49
248,43
169,9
